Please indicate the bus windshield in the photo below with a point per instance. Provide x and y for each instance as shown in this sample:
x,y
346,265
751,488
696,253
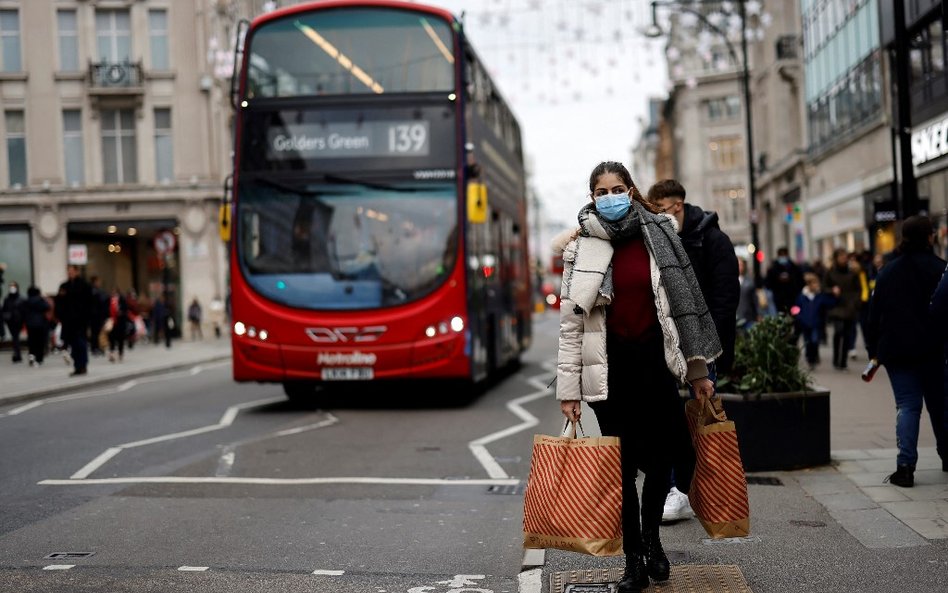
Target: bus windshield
x,y
343,244
342,51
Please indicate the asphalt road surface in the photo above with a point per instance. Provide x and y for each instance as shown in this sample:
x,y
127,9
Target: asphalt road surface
x,y
190,482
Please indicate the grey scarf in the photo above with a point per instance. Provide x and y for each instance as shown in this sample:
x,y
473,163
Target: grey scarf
x,y
699,338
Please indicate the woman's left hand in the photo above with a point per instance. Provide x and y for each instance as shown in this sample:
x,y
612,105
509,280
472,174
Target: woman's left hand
x,y
703,388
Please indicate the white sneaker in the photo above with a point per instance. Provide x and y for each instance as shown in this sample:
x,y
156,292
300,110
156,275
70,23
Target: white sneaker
x,y
677,506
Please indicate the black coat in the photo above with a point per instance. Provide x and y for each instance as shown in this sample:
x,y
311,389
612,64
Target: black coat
x,y
939,310
74,306
901,331
11,312
785,281
715,264
850,296
34,311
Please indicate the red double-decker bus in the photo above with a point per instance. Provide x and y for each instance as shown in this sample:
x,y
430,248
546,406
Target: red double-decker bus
x,y
378,201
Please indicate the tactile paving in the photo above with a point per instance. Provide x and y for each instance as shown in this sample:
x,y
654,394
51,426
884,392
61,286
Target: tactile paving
x,y
686,578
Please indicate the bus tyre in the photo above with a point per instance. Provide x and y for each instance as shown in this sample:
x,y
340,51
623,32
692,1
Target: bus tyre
x,y
300,392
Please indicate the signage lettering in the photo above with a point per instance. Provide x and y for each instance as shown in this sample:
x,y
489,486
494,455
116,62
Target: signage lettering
x,y
930,142
347,140
346,358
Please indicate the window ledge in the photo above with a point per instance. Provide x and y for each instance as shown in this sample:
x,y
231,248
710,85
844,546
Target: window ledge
x,y
13,76
70,75
160,75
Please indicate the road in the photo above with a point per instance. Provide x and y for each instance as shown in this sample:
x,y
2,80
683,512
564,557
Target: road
x,y
192,482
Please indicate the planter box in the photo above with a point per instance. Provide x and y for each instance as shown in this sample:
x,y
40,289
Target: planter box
x,y
781,431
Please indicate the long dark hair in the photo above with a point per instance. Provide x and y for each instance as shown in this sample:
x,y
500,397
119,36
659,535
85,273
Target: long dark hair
x,y
916,231
619,169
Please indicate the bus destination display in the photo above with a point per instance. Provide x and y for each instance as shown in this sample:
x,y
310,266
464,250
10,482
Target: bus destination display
x,y
348,140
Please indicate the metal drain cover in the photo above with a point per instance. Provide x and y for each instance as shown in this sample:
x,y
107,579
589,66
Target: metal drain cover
x,y
687,578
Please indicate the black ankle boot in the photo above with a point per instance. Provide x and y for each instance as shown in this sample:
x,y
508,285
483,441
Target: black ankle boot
x,y
635,578
903,476
656,562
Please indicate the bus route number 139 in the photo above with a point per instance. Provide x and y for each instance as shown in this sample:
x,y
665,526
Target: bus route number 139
x,y
408,138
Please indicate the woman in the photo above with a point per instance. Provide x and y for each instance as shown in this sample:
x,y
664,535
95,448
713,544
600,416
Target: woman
x,y
118,314
630,295
35,312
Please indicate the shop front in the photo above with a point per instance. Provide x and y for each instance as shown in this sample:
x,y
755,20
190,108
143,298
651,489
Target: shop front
x,y
930,158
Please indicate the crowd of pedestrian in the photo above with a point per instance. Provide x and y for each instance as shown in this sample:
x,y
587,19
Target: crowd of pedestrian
x,y
83,320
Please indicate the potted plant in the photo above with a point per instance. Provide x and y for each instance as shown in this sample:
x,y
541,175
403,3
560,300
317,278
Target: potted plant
x,y
782,420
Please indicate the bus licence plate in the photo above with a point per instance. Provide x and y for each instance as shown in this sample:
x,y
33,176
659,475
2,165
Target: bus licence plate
x,y
348,374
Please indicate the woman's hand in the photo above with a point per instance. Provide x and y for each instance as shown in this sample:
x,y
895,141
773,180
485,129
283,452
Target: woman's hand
x,y
703,389
571,409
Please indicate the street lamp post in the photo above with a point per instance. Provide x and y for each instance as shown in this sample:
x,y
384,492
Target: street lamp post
x,y
654,30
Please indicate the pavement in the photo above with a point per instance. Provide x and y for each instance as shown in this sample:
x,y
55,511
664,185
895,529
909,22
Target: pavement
x,y
20,382
833,528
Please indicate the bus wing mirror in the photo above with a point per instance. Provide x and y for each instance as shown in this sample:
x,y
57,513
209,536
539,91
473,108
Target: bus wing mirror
x,y
225,210
476,202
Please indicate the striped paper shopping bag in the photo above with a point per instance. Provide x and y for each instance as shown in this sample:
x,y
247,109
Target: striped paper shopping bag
x,y
718,492
574,495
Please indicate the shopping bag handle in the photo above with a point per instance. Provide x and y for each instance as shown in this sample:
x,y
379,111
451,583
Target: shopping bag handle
x,y
714,408
572,433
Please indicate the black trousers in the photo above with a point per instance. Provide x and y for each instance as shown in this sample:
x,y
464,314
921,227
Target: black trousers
x,y
645,411
36,340
842,328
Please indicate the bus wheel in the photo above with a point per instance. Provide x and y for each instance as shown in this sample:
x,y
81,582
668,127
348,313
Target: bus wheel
x,y
300,392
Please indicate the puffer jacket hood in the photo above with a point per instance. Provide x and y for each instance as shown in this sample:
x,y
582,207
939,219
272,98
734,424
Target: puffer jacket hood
x,y
697,221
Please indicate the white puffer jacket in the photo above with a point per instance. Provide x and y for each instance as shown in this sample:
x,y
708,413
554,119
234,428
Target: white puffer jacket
x,y
582,369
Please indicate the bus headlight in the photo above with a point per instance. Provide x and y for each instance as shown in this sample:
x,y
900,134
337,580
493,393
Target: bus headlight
x,y
431,331
239,328
457,324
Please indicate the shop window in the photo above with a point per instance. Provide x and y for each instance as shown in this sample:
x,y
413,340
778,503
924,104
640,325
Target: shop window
x,y
16,252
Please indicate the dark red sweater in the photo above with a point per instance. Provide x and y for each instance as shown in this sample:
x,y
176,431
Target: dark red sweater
x,y
632,314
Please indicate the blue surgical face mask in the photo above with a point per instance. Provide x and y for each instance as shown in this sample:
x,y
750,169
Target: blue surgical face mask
x,y
613,207
783,260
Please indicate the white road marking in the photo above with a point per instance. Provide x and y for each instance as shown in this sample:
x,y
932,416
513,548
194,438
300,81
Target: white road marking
x,y
329,573
226,420
193,568
283,481
59,567
226,462
478,446
117,389
96,463
329,421
530,581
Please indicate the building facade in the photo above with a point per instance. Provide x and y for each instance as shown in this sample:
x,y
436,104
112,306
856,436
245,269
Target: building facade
x,y
849,150
777,88
705,115
117,139
924,24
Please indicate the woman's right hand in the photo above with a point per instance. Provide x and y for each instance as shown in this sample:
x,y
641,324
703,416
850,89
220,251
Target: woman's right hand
x,y
572,409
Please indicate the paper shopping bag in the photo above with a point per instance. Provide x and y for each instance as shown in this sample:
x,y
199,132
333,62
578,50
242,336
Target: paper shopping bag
x,y
718,492
574,495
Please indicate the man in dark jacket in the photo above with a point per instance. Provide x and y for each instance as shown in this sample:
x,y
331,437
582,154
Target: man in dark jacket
x,y
74,311
100,312
844,284
784,280
903,338
715,264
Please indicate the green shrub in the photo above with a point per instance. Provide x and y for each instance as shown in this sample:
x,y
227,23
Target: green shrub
x,y
766,360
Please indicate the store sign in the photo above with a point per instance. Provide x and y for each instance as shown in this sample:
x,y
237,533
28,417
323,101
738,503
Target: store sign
x,y
78,255
930,142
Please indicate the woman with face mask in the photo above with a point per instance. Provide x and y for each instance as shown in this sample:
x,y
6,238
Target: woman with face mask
x,y
633,326
12,318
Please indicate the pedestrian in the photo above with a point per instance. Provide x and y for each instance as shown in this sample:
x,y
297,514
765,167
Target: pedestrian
x,y
100,312
809,309
134,315
74,311
119,321
784,280
939,319
658,331
169,325
194,319
747,312
13,319
35,310
159,320
863,317
904,339
715,265
842,283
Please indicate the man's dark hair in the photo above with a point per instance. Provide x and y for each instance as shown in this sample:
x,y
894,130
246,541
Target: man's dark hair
x,y
783,252
666,188
916,230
